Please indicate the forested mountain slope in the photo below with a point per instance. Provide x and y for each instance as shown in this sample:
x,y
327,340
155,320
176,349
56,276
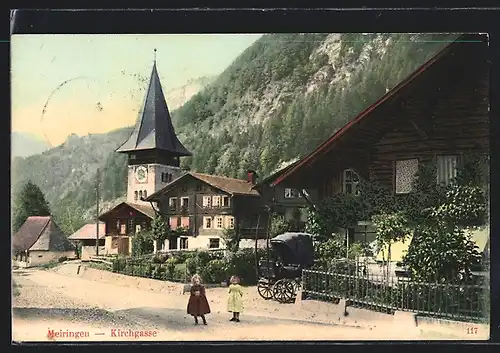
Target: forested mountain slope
x,y
277,101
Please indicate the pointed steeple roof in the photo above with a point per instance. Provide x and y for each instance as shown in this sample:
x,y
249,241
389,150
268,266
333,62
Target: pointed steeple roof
x,y
153,128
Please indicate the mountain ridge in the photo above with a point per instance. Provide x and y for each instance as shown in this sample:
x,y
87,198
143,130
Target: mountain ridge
x,y
277,101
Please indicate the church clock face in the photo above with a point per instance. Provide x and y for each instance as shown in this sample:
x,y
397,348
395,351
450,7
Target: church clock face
x,y
141,174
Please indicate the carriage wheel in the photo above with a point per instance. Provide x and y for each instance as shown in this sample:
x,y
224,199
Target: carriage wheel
x,y
265,290
284,291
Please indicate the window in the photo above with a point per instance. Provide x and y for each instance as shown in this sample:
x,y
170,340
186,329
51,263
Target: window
x,y
207,201
172,221
130,226
140,194
185,222
219,222
405,174
199,187
230,222
184,187
145,194
162,177
123,229
214,243
291,193
136,195
185,202
216,201
446,169
169,177
351,182
138,228
172,203
184,243
143,225
179,224
225,201
207,222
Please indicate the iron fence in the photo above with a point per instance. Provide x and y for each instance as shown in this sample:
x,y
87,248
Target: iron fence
x,y
139,268
455,301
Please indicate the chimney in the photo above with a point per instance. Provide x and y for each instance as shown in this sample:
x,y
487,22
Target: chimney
x,y
252,176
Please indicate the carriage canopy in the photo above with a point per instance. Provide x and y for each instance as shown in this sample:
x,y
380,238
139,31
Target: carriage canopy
x,y
294,248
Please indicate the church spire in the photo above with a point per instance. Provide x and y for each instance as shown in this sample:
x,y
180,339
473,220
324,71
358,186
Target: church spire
x,y
153,129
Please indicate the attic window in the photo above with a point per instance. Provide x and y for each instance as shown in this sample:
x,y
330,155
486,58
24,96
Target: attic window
x,y
351,182
136,195
198,187
132,156
405,175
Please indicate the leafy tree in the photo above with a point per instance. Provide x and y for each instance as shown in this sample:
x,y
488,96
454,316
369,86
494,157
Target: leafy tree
x,y
30,201
279,226
142,243
231,239
160,229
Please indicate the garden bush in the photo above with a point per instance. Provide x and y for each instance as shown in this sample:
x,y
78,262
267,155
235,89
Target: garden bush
x,y
214,271
191,265
170,267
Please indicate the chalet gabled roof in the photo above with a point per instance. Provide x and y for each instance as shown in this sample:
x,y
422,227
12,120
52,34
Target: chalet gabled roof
x,y
42,234
269,179
145,209
153,128
366,114
229,185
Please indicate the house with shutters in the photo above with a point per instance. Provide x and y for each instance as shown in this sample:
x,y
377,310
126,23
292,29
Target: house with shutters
x,y
438,114
201,206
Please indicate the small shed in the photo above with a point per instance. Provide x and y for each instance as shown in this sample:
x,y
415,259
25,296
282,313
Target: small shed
x,y
39,241
86,237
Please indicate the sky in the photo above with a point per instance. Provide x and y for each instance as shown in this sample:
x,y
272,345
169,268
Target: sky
x,y
63,84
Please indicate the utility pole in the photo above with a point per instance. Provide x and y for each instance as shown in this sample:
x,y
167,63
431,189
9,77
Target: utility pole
x,y
97,213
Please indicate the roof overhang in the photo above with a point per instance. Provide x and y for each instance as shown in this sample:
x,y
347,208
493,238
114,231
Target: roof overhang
x,y
173,153
103,216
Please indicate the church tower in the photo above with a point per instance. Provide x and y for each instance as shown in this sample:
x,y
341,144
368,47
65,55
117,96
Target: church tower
x,y
153,149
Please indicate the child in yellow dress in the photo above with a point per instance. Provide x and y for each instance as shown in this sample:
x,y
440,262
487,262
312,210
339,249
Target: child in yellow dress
x,y
235,300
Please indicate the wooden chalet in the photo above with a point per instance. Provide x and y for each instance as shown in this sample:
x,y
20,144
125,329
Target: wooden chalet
x,y
290,203
203,205
122,222
438,113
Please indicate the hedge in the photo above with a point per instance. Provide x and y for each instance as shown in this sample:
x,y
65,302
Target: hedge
x,y
212,266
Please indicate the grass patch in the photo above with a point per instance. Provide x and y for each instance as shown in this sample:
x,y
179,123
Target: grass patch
x,y
99,266
49,265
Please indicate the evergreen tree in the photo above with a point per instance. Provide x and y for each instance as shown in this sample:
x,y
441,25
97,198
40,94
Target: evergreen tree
x,y
29,201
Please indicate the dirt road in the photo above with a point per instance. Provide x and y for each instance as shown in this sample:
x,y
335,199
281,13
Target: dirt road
x,y
50,303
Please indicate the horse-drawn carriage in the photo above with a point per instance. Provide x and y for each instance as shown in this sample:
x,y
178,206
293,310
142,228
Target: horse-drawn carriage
x,y
280,275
